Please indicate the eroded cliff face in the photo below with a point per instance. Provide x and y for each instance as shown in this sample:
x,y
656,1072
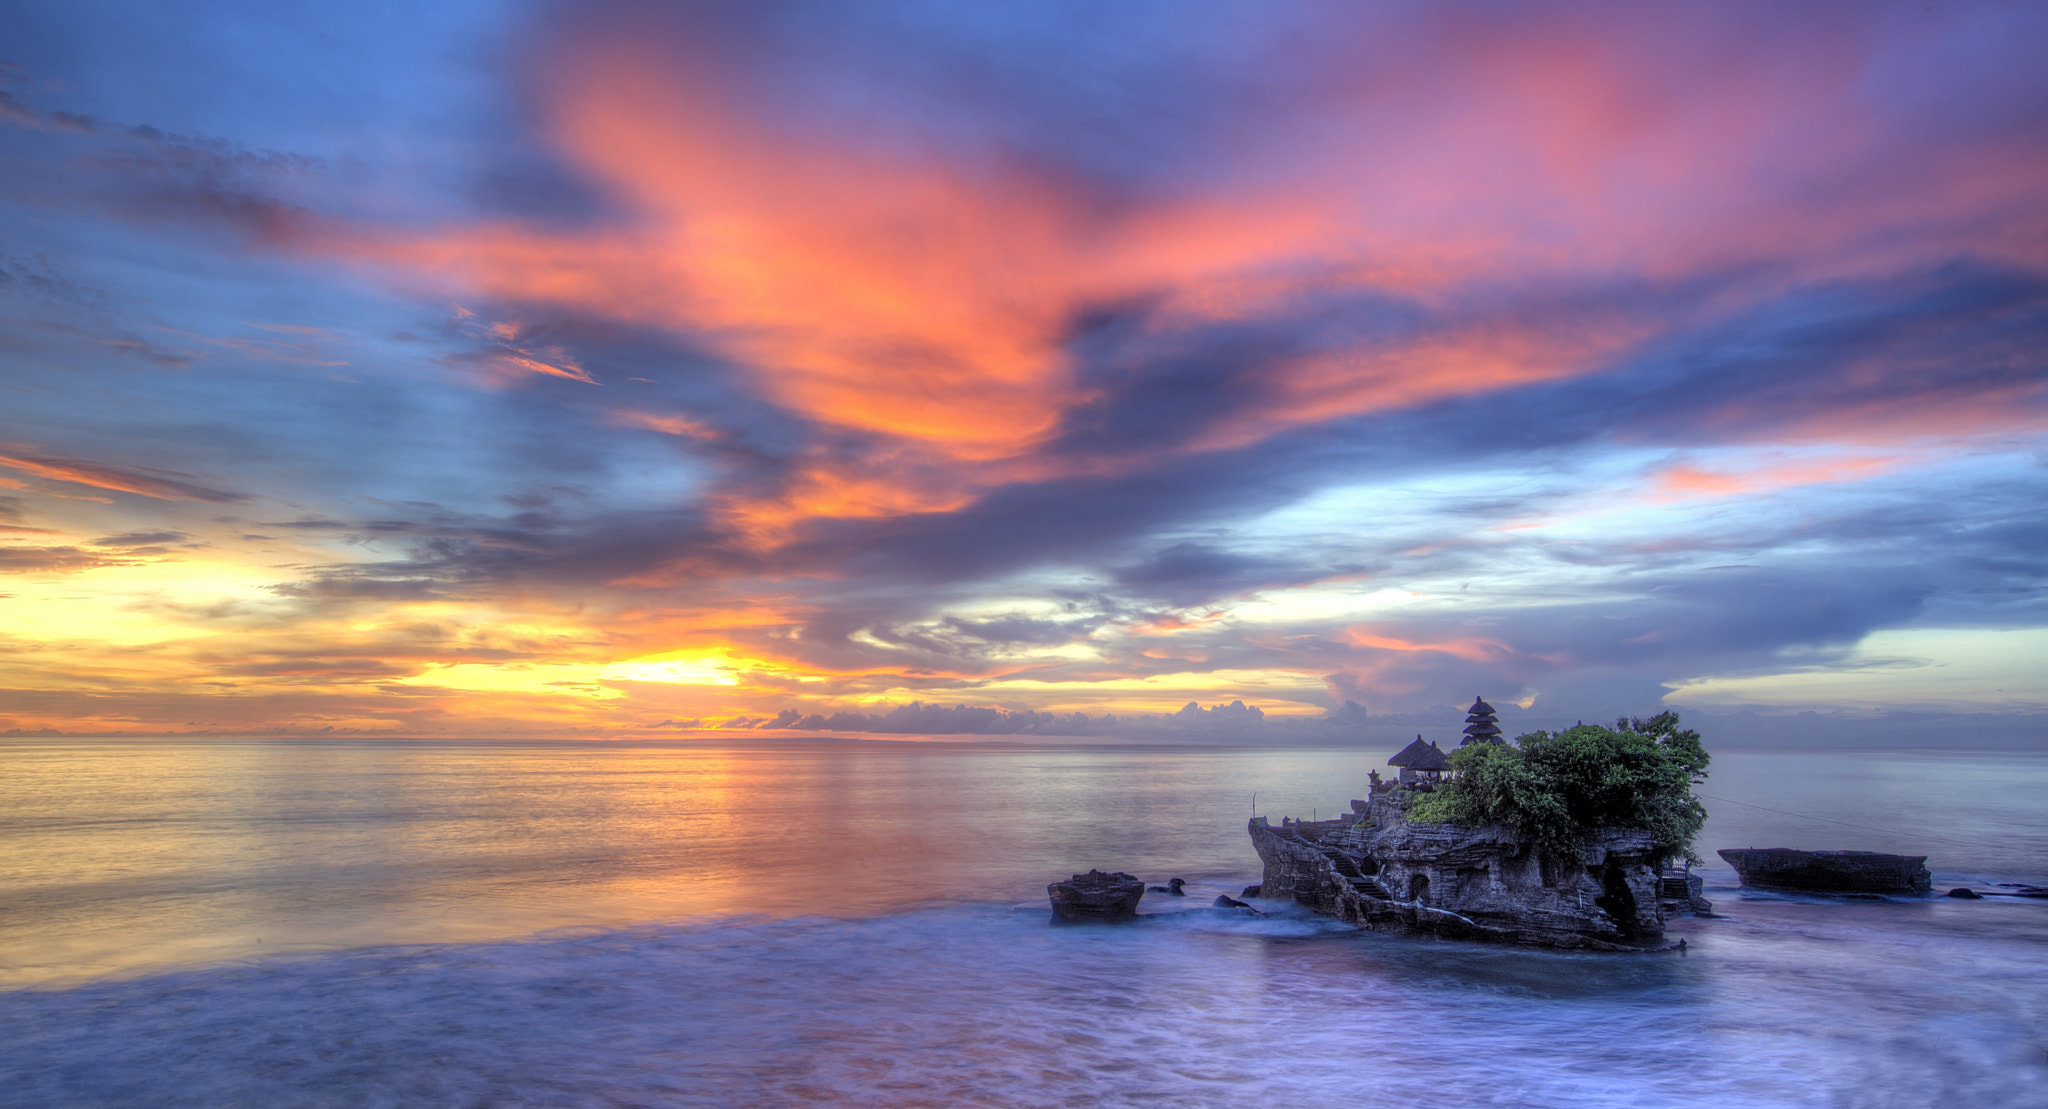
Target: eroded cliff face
x,y
1380,872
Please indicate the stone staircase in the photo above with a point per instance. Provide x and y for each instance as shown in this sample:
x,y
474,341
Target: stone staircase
x,y
1347,868
1680,895
1344,865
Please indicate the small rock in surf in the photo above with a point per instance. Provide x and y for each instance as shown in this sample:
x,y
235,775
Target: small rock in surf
x,y
1096,897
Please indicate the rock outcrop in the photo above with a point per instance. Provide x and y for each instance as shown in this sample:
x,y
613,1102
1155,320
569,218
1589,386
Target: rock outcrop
x,y
1829,871
1096,897
1378,871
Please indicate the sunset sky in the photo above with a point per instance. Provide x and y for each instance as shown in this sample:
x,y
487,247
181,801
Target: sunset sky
x,y
619,368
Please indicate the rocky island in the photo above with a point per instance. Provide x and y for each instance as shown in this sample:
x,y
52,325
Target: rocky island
x,y
1580,839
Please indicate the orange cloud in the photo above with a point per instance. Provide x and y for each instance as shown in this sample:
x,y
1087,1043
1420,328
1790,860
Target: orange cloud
x,y
276,350
102,476
1472,649
1172,624
567,369
506,357
1684,481
926,296
681,426
900,293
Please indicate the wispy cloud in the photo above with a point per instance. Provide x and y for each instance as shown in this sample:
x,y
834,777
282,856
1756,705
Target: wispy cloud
x,y
156,484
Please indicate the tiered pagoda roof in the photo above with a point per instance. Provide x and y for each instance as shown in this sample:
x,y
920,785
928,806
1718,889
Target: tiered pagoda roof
x,y
1480,724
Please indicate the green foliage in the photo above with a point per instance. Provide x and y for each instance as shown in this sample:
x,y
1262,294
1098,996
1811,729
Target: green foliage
x,y
1440,807
1554,788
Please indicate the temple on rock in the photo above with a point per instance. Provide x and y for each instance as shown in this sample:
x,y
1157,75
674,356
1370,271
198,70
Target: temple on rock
x,y
1375,869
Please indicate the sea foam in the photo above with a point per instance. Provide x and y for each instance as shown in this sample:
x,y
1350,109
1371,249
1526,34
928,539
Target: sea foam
x,y
989,1005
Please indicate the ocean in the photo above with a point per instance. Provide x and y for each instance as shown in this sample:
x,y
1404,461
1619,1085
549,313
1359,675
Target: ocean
x,y
498,924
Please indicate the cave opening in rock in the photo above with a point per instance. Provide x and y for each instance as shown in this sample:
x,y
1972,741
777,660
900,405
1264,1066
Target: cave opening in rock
x,y
1618,901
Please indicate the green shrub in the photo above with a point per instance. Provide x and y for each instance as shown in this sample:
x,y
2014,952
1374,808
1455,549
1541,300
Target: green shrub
x,y
1553,788
1434,808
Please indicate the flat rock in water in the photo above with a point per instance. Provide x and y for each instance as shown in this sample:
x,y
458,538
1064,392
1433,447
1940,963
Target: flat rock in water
x,y
1843,872
1096,896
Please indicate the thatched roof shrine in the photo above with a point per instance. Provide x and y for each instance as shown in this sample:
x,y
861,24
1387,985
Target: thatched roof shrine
x,y
1421,756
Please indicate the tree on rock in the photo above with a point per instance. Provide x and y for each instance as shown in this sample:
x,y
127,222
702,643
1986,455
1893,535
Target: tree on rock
x,y
1555,788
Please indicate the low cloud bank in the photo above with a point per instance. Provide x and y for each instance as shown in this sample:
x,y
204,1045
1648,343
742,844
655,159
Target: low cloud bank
x,y
1239,723
1981,731
1235,722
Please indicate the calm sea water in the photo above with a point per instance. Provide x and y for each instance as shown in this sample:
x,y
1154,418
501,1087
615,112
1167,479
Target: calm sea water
x,y
466,925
